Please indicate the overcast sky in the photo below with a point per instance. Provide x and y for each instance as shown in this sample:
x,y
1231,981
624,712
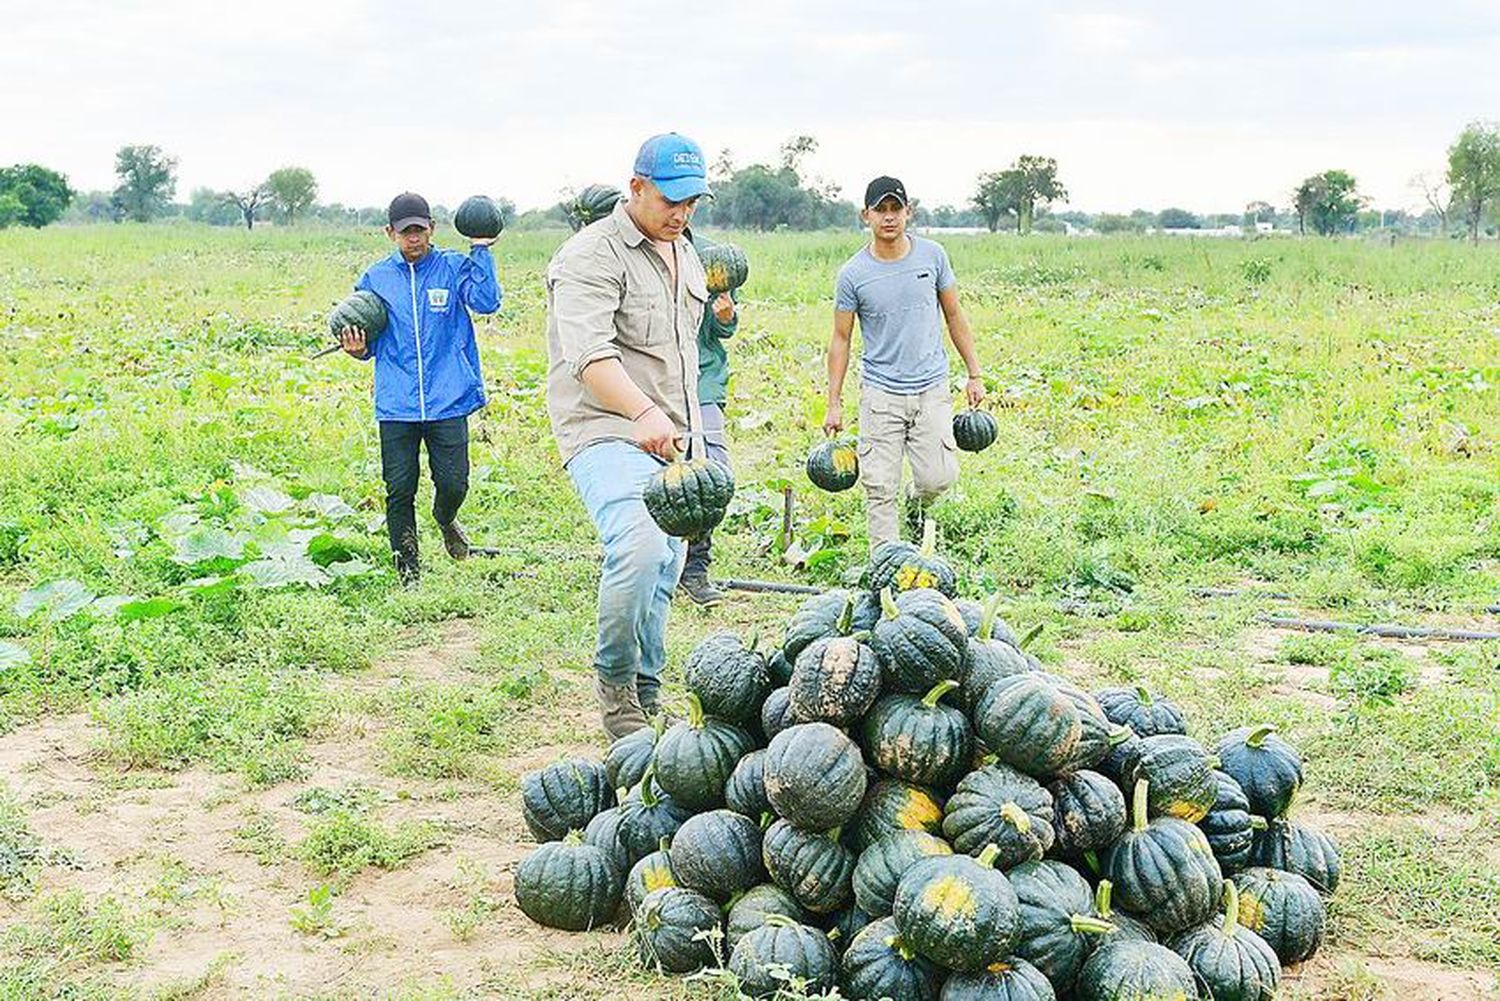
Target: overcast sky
x,y
1145,104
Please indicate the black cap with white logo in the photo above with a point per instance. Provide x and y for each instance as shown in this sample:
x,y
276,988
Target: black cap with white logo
x,y
409,209
884,187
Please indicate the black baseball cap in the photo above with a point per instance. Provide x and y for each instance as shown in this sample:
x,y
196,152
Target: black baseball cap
x,y
409,209
884,187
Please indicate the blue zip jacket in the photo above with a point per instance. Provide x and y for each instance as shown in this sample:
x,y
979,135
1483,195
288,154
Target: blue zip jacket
x,y
426,359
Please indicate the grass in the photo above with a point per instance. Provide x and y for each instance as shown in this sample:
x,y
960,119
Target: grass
x,y
1315,418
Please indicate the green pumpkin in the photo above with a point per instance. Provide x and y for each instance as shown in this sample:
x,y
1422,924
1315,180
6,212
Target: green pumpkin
x,y
1001,807
1122,970
688,498
894,805
842,926
1143,712
1088,813
1284,909
647,816
881,866
1163,870
779,668
1229,827
725,267
1042,728
1181,775
745,792
1126,927
819,617
1011,979
920,640
564,797
878,964
569,885
919,739
479,218
1119,756
1298,848
603,832
751,908
628,757
652,872
1266,767
763,959
984,621
695,757
834,681
1058,927
676,931
729,677
974,430
867,612
834,465
987,661
363,310
592,204
718,854
814,775
1234,963
957,910
814,868
776,712
902,566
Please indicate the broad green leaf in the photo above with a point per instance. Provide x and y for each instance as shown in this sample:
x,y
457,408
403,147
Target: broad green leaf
x,y
329,506
325,549
266,500
349,568
108,604
13,655
61,598
204,586
204,544
281,573
150,608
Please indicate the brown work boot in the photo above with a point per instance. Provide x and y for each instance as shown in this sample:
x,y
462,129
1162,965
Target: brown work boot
x,y
454,540
619,708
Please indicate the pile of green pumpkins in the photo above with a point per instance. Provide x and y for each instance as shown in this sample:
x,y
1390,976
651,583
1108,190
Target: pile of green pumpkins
x,y
900,802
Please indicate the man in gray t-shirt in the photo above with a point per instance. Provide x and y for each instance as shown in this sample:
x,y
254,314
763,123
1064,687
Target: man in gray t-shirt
x,y
903,290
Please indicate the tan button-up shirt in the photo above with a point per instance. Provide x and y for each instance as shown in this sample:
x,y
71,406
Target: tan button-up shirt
x,y
610,295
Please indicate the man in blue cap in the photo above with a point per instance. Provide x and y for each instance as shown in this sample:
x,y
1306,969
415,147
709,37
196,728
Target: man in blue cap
x,y
625,298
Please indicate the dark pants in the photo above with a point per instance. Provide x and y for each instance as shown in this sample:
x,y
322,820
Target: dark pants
x,y
400,464
716,447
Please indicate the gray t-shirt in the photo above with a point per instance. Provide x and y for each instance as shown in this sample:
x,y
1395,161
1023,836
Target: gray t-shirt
x,y
899,317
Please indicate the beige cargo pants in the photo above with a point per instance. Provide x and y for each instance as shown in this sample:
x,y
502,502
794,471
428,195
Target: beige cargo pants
x,y
918,426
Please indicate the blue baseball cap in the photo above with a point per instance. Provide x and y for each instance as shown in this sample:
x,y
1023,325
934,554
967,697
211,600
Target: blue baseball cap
x,y
674,163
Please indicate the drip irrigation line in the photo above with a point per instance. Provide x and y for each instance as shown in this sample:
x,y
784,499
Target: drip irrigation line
x,y
1385,631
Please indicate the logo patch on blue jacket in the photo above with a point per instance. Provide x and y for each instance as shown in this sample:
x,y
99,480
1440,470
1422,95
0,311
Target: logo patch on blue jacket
x,y
437,300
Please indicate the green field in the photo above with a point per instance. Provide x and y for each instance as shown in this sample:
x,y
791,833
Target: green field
x,y
1309,424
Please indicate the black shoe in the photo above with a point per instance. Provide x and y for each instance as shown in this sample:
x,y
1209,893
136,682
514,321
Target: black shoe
x,y
454,540
408,570
700,591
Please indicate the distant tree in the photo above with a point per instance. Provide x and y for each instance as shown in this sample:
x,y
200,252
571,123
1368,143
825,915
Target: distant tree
x,y
1328,202
991,200
1107,222
294,190
1474,173
208,206
32,195
1437,194
795,149
1178,219
1019,190
250,202
765,197
1258,212
148,179
722,168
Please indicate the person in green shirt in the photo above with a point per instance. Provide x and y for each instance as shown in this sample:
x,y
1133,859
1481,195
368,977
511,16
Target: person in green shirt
x,y
720,320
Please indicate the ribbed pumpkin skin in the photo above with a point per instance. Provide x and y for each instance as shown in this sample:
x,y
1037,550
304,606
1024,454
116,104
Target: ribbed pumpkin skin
x,y
1088,813
603,833
878,965
651,873
866,612
749,911
1166,874
574,887
956,912
843,925
592,204
908,739
725,267
1181,774
816,618
1141,711
814,868
779,669
694,761
745,792
902,566
729,679
1228,826
1112,766
628,758
1038,728
363,310
688,498
974,430
563,797
893,805
1051,896
643,824
667,929
1269,774
1010,980
1136,971
804,952
814,775
881,866
835,680
833,465
718,854
1239,966
776,712
986,662
478,217
1127,927
1298,848
923,644
998,805
1284,909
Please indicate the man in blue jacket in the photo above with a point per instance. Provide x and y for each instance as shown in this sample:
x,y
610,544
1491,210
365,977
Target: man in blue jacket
x,y
427,380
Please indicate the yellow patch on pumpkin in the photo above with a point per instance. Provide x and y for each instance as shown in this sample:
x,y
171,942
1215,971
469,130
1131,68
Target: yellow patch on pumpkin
x,y
1252,913
998,968
1183,810
949,897
674,473
657,878
920,812
909,578
845,460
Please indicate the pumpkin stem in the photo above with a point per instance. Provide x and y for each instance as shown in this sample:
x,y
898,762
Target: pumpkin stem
x,y
695,711
1091,859
1259,823
1120,735
988,760
648,795
754,640
1138,804
930,700
573,837
987,619
988,856
1143,695
1259,734
929,537
833,835
659,725
846,617
1101,898
780,921
1084,924
888,606
663,843
1231,908
897,945
1016,817
863,636
1031,634
765,820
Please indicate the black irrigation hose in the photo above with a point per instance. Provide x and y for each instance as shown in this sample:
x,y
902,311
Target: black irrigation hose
x,y
768,587
1384,631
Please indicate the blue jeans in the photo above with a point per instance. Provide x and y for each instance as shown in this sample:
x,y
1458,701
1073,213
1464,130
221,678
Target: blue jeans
x,y
641,564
